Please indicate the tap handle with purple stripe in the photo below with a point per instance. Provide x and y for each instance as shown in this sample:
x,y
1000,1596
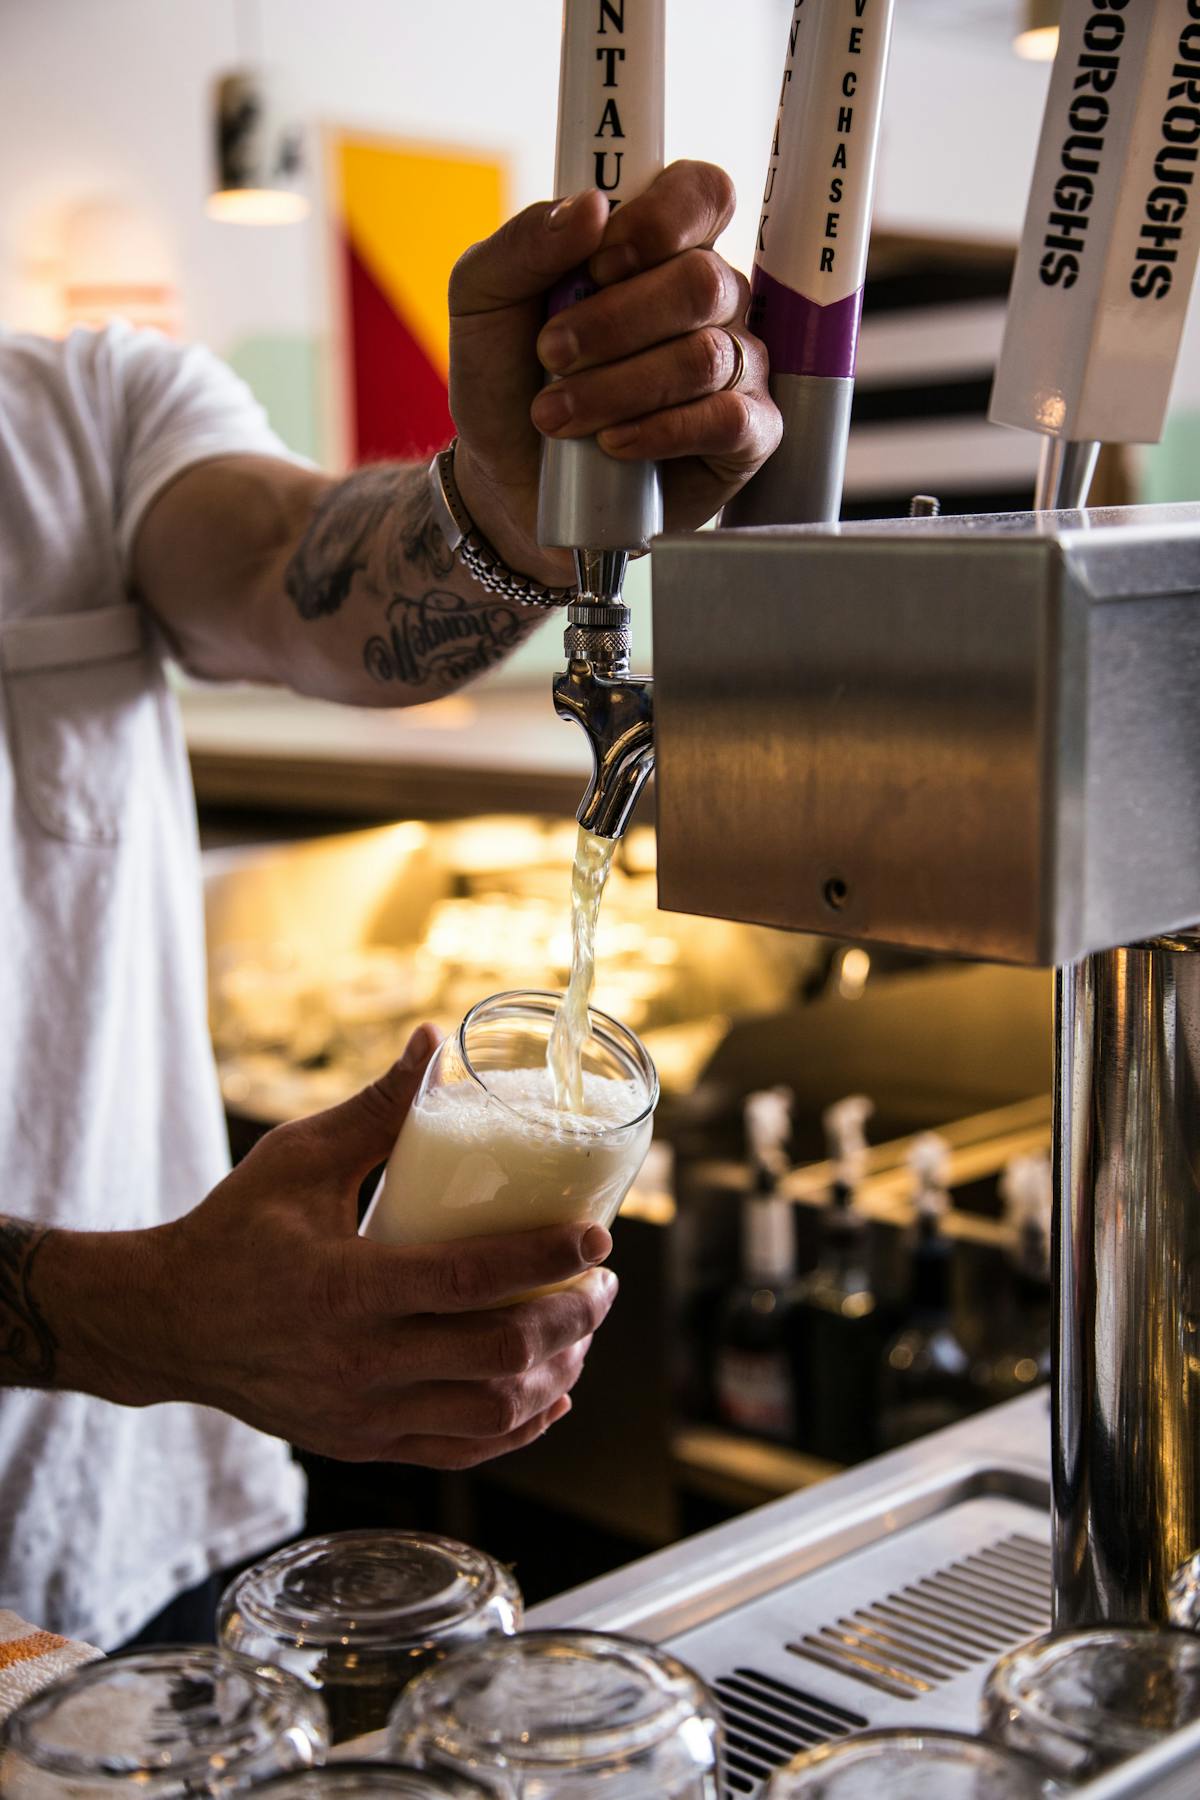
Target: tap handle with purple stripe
x,y
610,136
810,266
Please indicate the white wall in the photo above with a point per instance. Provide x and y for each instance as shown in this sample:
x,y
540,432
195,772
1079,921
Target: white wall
x,y
108,99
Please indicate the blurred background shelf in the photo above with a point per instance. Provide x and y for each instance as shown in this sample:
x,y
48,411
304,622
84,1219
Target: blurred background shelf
x,y
497,748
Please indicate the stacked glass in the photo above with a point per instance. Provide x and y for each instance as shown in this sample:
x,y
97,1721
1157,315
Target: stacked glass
x,y
357,1615
161,1724
1083,1701
564,1715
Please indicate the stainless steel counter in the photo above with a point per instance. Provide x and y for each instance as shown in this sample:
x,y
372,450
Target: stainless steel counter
x,y
881,1597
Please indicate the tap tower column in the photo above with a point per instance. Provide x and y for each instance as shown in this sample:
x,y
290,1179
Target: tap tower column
x,y
1099,298
1126,1451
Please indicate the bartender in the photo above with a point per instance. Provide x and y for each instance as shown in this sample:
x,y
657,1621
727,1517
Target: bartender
x,y
158,1347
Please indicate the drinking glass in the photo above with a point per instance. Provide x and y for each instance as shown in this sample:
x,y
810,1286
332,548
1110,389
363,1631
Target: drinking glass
x,y
1082,1701
564,1715
1183,1595
483,1148
347,1780
357,1614
910,1765
160,1724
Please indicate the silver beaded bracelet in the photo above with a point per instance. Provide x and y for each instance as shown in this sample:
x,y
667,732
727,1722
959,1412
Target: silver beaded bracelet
x,y
458,528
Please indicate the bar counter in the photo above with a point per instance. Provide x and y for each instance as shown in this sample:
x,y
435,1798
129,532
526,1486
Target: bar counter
x,y
493,748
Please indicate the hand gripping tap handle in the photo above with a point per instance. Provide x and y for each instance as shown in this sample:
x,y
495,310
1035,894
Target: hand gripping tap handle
x,y
810,266
1108,253
610,136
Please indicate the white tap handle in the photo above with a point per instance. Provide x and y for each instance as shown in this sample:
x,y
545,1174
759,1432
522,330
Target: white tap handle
x,y
810,266
1109,250
610,136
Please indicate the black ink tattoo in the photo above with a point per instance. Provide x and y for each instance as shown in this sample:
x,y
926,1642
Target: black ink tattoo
x,y
368,538
440,640
378,524
338,544
28,1347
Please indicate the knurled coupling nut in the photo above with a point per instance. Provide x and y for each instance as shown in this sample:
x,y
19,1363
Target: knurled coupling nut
x,y
587,643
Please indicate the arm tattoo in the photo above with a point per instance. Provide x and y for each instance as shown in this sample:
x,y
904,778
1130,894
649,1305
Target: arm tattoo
x,y
370,537
28,1347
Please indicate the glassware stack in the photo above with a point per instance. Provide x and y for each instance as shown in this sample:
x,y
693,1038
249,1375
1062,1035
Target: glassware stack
x,y
356,1615
564,1715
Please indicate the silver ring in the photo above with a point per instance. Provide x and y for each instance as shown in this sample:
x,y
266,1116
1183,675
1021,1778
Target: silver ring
x,y
739,362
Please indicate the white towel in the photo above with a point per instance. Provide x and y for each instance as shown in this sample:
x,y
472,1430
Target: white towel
x,y
31,1659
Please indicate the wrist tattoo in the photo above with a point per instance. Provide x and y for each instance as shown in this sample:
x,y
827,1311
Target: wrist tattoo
x,y
368,538
28,1347
440,640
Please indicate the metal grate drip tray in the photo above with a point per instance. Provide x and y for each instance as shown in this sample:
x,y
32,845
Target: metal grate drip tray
x,y
920,1636
768,1721
901,1631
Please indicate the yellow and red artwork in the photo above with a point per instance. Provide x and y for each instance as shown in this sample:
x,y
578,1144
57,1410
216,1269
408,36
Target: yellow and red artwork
x,y
404,215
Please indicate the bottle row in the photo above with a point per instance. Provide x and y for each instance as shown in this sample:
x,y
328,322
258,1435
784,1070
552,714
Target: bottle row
x,y
841,1337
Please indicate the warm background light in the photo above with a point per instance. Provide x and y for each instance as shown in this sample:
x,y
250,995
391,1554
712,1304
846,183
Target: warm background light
x,y
257,206
1037,40
1038,45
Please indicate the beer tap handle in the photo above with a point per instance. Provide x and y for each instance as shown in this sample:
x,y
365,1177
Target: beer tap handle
x,y
1108,253
610,136
810,266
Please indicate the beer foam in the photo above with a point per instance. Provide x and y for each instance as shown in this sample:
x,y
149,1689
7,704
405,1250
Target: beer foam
x,y
462,1108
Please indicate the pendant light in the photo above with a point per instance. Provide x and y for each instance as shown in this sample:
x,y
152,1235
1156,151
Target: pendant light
x,y
258,150
1037,40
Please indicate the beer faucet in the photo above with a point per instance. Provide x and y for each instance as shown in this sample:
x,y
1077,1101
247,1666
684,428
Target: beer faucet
x,y
603,510
614,708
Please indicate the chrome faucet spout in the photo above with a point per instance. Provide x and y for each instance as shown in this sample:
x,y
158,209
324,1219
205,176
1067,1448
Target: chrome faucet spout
x,y
614,709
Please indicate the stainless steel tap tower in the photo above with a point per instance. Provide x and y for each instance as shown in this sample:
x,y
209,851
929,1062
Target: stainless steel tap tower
x,y
1126,1454
980,737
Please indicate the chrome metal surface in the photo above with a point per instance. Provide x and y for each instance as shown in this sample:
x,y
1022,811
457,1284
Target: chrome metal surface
x,y
802,482
614,709
920,1636
589,500
730,1601
1065,475
1126,1467
600,575
951,734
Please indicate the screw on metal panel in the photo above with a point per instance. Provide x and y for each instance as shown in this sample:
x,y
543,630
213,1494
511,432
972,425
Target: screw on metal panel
x,y
924,506
836,892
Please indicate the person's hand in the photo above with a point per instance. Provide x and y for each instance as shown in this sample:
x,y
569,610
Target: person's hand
x,y
265,1302
645,363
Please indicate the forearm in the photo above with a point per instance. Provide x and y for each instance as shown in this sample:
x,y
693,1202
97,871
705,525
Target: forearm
x,y
263,571
78,1311
379,612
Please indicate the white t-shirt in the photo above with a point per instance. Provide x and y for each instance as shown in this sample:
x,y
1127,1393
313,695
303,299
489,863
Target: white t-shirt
x,y
110,1115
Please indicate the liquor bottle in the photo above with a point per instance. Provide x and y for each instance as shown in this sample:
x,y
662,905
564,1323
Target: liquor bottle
x,y
1027,1189
756,1367
841,1320
926,1376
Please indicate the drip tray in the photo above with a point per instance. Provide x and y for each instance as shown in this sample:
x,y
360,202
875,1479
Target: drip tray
x,y
901,1632
881,1597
